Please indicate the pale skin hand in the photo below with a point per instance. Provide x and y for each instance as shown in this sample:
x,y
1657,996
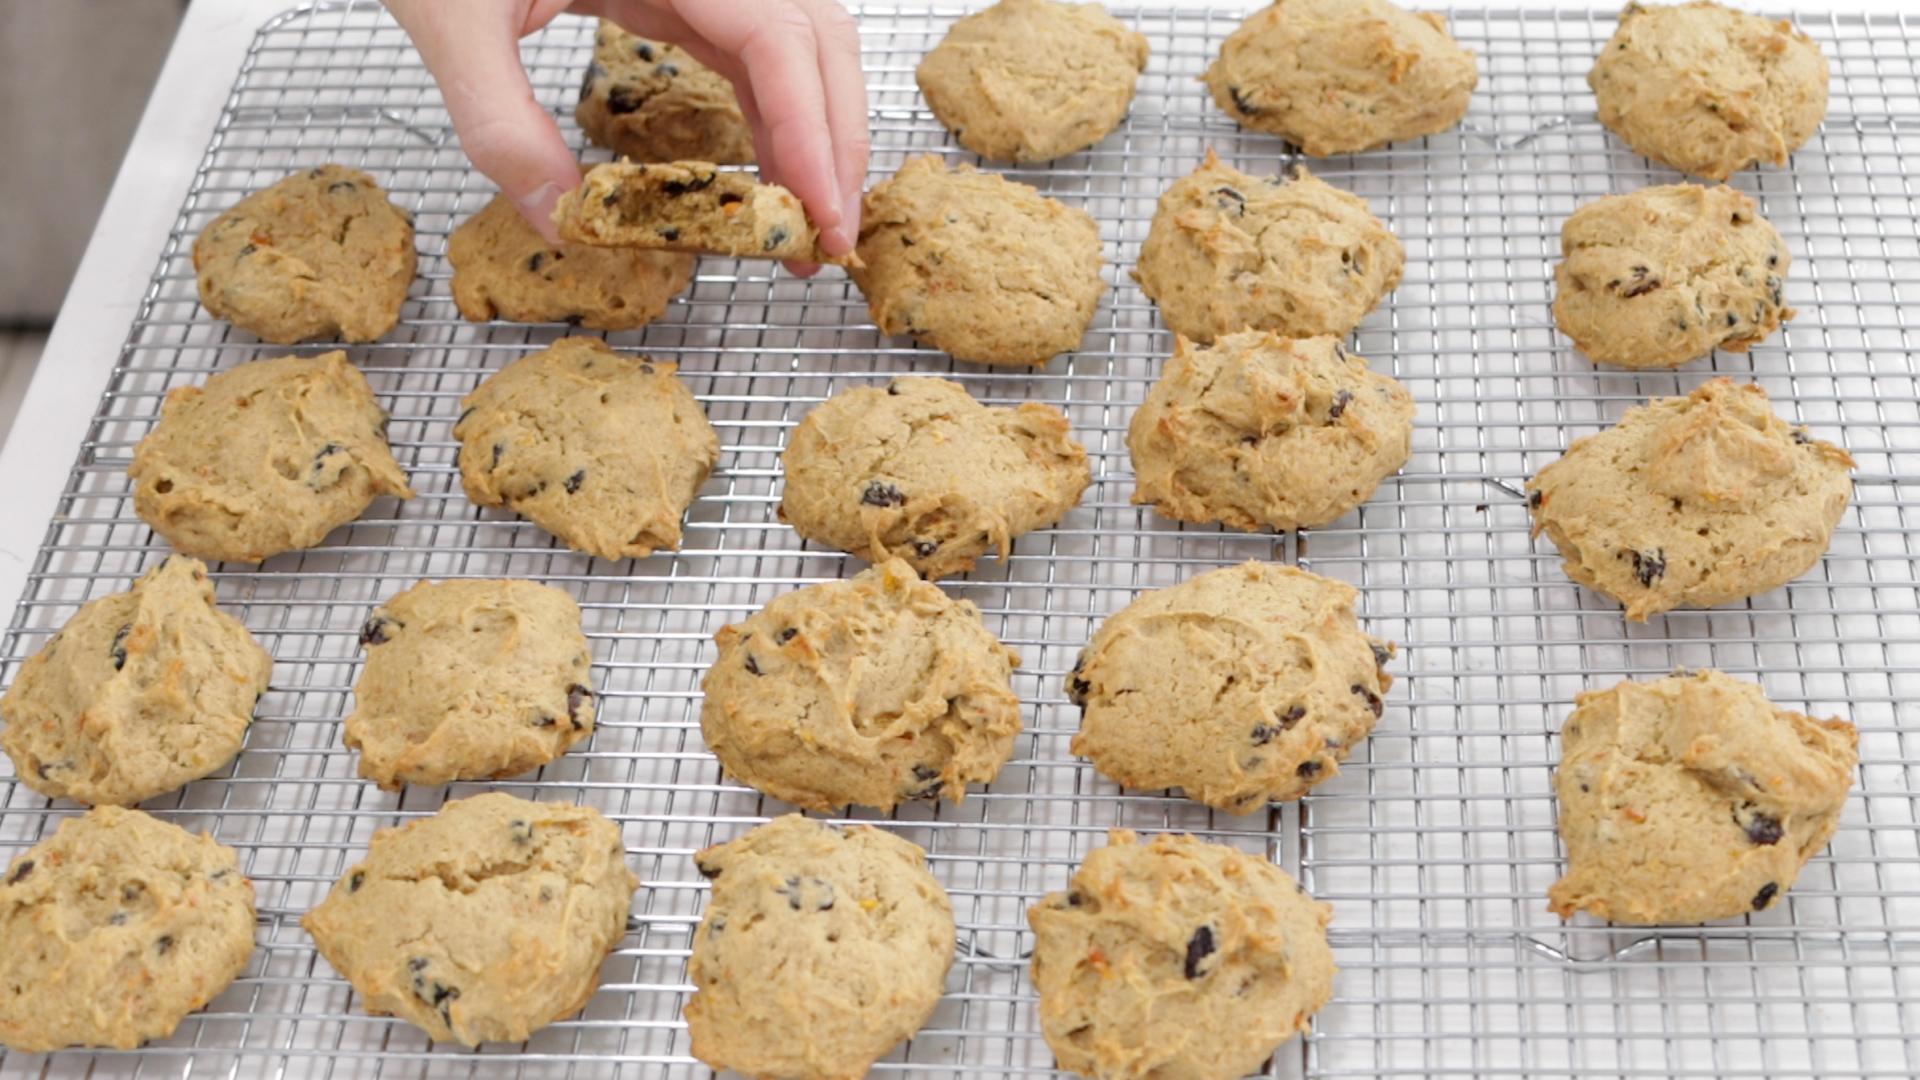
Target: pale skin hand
x,y
795,65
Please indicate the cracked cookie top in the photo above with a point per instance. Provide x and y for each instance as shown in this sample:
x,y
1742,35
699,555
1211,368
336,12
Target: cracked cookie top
x,y
140,692
1707,89
1340,76
602,450
1665,275
1240,686
502,269
321,252
482,923
822,946
1177,958
114,929
651,101
1228,251
1032,80
921,471
872,691
267,457
971,263
1692,501
1692,798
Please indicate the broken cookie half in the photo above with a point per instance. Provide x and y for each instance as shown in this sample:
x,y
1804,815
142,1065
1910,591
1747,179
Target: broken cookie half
x,y
690,206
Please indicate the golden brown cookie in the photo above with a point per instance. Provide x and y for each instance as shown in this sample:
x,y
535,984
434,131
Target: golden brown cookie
x,y
651,101
1339,76
822,946
922,472
502,269
976,265
1177,958
1241,686
871,691
689,206
114,929
269,456
1032,80
1228,251
1693,797
470,680
320,253
1668,274
139,693
482,923
602,450
1692,501
1259,431
1707,89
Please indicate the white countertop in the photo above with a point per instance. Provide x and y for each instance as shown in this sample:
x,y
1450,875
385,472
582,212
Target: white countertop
x,y
145,199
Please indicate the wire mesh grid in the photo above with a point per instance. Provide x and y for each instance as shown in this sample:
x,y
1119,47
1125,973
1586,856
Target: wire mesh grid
x,y
1435,844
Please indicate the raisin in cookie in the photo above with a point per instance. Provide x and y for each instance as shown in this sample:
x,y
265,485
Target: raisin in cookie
x,y
602,450
976,265
1692,501
115,929
1032,80
139,693
1692,798
502,269
1177,958
267,457
1340,76
1259,431
319,253
483,923
688,206
652,101
1240,686
1709,90
1228,251
922,472
1668,274
469,680
872,691
822,946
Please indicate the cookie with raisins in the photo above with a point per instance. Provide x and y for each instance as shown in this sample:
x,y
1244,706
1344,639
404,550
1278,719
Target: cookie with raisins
x,y
651,101
502,269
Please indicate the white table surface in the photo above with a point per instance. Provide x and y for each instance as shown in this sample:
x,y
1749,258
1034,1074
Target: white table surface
x,y
145,199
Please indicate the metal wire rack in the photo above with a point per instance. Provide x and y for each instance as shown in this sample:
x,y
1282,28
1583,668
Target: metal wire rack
x,y
1435,844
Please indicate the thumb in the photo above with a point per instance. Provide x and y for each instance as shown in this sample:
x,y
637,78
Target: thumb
x,y
504,131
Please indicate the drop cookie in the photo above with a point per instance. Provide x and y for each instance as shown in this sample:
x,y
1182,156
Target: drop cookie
x,y
1668,274
1241,686
482,923
1692,798
269,456
1692,501
1341,76
922,472
977,266
1258,431
602,450
822,946
116,928
1032,80
320,253
470,680
1177,958
651,101
1228,251
872,691
139,693
502,269
688,206
1707,89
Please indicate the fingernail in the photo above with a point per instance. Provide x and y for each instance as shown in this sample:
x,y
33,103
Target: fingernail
x,y
537,207
850,217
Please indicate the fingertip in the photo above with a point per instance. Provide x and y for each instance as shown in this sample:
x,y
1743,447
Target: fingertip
x,y
802,269
537,207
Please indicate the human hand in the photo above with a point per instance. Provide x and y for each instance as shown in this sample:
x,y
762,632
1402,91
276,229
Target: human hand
x,y
795,65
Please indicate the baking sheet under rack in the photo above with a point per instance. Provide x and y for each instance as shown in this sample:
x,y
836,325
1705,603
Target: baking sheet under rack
x,y
1435,844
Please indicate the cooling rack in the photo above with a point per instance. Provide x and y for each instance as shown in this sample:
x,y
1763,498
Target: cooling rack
x,y
1435,844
